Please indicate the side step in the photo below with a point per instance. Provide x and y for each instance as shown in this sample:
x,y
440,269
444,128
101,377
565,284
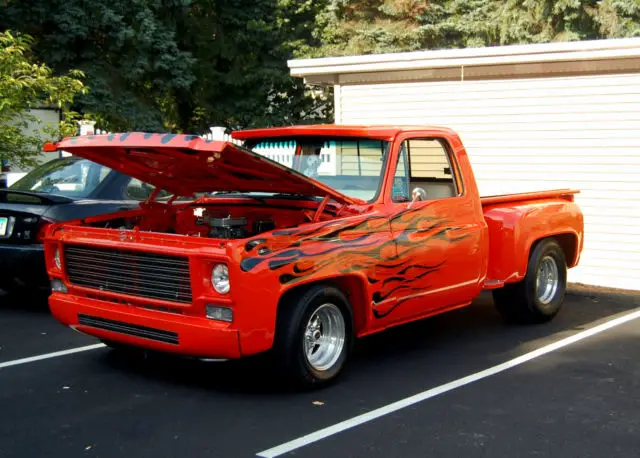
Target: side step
x,y
493,284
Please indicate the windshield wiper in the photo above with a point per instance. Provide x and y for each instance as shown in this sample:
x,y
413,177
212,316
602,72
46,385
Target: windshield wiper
x,y
233,193
295,196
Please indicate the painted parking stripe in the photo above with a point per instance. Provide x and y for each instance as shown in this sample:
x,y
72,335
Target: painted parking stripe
x,y
55,354
406,402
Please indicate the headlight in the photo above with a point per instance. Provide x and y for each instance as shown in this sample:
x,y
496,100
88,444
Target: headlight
x,y
56,259
220,278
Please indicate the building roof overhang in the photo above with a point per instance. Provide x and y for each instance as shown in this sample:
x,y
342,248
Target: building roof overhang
x,y
515,61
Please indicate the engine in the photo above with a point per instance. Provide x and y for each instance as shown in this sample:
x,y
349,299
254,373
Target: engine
x,y
231,227
228,228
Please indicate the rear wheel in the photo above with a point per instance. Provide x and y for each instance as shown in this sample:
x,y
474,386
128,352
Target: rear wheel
x,y
539,297
313,336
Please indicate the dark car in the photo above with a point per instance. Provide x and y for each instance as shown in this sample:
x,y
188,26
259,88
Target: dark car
x,y
60,190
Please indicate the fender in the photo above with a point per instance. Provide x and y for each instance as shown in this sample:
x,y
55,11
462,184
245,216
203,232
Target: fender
x,y
513,230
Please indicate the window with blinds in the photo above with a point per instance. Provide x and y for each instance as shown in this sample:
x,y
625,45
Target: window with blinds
x,y
360,157
425,164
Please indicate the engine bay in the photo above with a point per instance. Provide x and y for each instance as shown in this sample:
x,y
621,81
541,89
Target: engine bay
x,y
225,221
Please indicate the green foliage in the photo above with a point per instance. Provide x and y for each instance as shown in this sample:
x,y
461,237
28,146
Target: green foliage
x,y
541,21
240,49
126,48
618,18
177,65
349,27
24,84
362,27
461,24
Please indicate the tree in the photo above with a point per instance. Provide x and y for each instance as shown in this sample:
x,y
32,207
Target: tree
x,y
541,21
177,65
617,18
127,49
241,76
461,24
24,84
348,27
362,27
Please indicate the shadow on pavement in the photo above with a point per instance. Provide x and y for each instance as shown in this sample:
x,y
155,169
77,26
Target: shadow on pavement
x,y
476,333
28,300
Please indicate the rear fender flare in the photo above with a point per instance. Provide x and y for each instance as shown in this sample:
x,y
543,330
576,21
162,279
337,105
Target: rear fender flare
x,y
514,229
569,241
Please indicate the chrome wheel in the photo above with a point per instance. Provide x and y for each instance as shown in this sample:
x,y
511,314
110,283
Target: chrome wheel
x,y
324,337
547,280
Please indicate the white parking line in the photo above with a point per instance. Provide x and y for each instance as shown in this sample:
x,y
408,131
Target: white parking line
x,y
406,402
55,354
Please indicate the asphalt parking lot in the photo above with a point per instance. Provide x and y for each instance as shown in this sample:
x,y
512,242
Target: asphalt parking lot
x,y
578,400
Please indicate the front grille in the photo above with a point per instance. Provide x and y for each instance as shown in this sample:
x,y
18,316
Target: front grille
x,y
149,275
129,329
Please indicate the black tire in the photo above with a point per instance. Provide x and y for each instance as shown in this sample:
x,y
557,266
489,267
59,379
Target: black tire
x,y
293,316
520,302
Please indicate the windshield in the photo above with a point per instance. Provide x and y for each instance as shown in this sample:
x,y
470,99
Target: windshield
x,y
70,177
352,166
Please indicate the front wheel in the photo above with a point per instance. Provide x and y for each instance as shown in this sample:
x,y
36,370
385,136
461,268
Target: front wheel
x,y
313,335
539,297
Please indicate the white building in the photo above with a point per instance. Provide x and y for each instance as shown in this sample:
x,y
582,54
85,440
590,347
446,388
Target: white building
x,y
46,117
532,117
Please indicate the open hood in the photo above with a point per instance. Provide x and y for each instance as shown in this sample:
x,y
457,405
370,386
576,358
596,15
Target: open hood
x,y
186,164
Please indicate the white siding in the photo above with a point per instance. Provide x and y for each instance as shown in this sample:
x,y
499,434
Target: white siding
x,y
533,134
45,118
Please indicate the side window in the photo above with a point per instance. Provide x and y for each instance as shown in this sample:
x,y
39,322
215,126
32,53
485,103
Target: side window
x,y
138,190
400,191
426,164
71,177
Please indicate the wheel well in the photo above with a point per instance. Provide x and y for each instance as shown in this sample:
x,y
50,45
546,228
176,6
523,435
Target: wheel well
x,y
568,242
351,286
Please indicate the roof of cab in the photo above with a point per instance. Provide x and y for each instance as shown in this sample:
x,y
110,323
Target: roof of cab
x,y
377,132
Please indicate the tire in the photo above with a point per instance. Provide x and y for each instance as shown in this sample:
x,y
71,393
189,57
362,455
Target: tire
x,y
524,302
304,318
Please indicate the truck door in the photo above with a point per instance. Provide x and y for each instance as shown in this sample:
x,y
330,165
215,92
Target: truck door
x,y
440,238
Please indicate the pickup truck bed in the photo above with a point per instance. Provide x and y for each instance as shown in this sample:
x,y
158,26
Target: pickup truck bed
x,y
528,196
514,222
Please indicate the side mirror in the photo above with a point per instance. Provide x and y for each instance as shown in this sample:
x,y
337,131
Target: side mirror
x,y
418,194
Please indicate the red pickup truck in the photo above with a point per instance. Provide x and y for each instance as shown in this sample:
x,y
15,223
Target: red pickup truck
x,y
363,228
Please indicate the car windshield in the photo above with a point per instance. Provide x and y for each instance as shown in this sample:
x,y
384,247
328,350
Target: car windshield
x,y
352,166
70,177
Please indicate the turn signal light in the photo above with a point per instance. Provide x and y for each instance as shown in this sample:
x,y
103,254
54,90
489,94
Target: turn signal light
x,y
58,286
50,147
218,313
